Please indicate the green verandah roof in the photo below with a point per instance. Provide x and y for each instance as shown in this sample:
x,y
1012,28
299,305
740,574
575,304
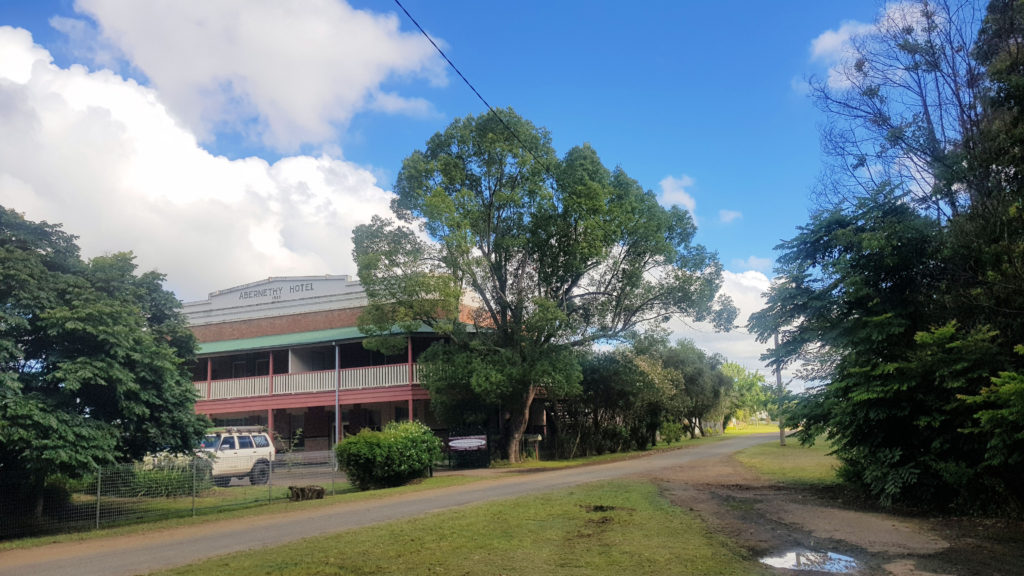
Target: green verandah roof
x,y
286,340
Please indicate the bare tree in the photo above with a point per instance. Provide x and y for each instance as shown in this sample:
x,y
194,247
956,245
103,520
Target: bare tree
x,y
902,105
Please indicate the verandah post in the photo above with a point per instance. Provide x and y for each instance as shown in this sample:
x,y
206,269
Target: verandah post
x,y
410,378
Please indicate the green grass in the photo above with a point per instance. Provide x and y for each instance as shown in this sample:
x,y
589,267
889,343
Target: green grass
x,y
244,501
744,428
608,528
792,464
232,510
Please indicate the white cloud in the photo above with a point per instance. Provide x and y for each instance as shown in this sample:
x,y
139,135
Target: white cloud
x,y
835,49
20,55
754,263
103,155
673,192
727,216
85,43
832,46
746,289
299,69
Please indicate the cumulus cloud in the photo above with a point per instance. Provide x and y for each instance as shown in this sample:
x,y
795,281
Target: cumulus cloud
x,y
299,69
105,157
727,216
746,289
835,49
754,263
83,41
673,192
832,46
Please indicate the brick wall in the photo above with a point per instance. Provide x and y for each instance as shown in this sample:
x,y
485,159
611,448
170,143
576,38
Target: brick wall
x,y
307,322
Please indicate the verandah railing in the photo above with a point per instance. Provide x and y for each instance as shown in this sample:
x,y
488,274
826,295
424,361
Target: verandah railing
x,y
302,382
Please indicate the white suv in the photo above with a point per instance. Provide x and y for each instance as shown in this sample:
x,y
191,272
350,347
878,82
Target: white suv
x,y
240,452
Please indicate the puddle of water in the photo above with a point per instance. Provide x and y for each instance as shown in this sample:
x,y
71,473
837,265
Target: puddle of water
x,y
807,560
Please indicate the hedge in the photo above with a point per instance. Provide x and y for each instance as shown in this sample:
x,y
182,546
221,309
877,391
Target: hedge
x,y
402,452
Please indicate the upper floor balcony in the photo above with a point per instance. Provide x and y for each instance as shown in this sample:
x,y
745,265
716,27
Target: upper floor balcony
x,y
302,363
306,382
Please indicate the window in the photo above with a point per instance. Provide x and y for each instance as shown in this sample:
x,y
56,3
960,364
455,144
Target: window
x,y
228,443
261,441
244,442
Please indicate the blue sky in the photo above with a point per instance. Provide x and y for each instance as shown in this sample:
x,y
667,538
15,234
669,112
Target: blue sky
x,y
229,141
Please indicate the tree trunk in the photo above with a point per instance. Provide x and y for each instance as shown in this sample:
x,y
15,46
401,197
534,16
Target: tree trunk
x,y
37,511
517,427
782,434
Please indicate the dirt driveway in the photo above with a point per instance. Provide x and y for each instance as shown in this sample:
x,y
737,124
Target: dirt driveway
x,y
761,517
769,520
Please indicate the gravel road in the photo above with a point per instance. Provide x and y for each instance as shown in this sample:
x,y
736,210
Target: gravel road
x,y
143,553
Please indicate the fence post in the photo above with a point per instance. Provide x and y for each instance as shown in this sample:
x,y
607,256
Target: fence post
x,y
99,484
270,481
195,488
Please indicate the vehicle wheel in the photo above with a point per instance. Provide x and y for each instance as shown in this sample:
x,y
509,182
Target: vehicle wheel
x,y
260,473
221,481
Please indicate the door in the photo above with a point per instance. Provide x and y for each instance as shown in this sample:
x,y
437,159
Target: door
x,y
229,461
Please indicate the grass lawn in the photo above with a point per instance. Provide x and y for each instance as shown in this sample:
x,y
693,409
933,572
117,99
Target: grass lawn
x,y
792,463
744,428
229,508
607,528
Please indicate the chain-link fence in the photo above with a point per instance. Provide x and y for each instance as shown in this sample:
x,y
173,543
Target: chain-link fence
x,y
169,488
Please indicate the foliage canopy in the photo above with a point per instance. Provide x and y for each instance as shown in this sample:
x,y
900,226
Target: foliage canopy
x,y
522,258
93,360
905,301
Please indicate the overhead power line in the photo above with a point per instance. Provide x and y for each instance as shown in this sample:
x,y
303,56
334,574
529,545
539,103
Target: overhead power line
x,y
498,116
471,87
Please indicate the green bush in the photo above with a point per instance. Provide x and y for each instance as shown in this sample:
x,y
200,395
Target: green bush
x,y
402,452
671,431
172,480
165,477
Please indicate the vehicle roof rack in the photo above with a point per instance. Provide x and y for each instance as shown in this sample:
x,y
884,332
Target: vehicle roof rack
x,y
238,429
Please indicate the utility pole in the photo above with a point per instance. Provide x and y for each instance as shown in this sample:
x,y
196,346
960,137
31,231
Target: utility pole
x,y
779,389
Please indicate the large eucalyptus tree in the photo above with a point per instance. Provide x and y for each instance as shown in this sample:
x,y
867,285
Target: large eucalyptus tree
x,y
520,257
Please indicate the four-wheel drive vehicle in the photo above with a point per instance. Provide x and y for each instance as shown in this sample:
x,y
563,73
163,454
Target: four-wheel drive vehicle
x,y
239,452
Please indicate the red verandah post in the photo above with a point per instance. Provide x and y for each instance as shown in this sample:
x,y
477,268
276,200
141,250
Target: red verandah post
x,y
410,378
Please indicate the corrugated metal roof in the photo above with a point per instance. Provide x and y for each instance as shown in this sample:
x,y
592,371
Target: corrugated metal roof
x,y
285,340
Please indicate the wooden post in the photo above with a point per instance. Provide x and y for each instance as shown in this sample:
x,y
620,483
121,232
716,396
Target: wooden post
x,y
778,383
410,378
337,397
270,385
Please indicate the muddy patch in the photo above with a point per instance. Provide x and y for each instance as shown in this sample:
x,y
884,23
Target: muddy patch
x,y
816,534
806,560
871,531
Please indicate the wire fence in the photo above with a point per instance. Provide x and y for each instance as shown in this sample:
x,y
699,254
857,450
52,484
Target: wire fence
x,y
146,492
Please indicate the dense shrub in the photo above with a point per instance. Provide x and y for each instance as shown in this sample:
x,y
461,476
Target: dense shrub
x,y
402,452
165,477
177,479
671,431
